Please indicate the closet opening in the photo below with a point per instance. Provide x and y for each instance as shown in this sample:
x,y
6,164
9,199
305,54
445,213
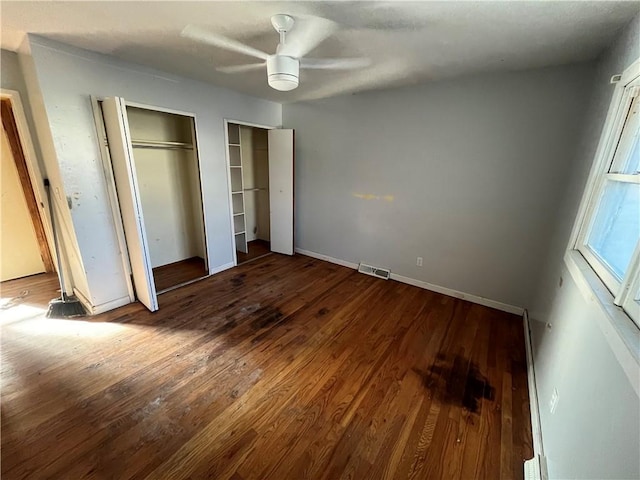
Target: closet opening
x,y
157,195
248,154
168,175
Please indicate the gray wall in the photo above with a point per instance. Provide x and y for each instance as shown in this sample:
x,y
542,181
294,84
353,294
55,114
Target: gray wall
x,y
61,80
463,173
11,78
595,430
10,74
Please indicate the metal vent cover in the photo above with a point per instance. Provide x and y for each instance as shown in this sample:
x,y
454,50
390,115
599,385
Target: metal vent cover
x,y
374,271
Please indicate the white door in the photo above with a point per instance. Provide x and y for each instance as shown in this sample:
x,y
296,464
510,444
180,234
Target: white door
x,y
281,190
124,171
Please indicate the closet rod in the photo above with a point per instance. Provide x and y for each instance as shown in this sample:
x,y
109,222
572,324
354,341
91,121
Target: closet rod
x,y
163,145
160,144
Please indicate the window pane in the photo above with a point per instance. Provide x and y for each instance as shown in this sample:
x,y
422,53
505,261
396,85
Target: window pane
x,y
616,226
632,165
627,155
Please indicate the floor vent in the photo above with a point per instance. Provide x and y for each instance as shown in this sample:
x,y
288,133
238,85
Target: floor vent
x,y
374,271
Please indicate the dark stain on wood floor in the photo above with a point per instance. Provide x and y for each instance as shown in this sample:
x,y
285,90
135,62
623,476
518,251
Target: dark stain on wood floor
x,y
238,280
457,381
303,369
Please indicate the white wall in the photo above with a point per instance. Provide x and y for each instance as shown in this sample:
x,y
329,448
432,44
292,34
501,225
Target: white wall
x,y
165,186
19,249
595,430
464,173
64,77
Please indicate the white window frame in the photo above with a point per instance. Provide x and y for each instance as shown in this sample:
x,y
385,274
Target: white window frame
x,y
618,327
627,91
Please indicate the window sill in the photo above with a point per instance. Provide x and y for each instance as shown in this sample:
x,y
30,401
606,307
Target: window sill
x,y
621,332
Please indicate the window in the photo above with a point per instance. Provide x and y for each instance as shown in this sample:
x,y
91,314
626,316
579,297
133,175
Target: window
x,y
609,235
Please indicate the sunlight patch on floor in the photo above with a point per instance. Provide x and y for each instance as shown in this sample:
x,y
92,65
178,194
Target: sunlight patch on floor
x,y
11,312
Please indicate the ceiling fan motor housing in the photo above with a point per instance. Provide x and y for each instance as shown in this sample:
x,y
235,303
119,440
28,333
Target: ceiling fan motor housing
x,y
283,72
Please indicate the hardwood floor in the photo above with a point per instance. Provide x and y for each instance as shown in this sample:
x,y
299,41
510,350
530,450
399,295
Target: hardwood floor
x,y
257,249
168,276
33,292
283,368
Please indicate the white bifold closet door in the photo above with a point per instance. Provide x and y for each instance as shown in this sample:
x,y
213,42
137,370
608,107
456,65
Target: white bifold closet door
x,y
281,190
124,170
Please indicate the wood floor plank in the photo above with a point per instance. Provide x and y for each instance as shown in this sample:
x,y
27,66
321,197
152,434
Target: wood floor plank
x,y
284,367
329,434
160,375
320,407
227,367
256,249
176,273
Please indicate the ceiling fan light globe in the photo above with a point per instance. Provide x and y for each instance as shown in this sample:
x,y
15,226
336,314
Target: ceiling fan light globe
x,y
283,72
283,82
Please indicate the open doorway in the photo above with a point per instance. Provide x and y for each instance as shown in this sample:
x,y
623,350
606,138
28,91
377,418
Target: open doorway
x,y
249,177
168,176
25,250
260,163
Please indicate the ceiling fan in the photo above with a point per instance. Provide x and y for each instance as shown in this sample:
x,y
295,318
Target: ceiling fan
x,y
283,67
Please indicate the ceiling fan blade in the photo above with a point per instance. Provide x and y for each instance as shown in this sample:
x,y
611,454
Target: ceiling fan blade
x,y
307,33
241,68
334,63
210,38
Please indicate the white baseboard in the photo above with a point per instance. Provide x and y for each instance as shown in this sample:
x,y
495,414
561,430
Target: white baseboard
x,y
505,307
427,286
221,268
534,406
320,256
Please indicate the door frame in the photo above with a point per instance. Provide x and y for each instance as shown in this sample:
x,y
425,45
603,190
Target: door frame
x,y
34,192
226,123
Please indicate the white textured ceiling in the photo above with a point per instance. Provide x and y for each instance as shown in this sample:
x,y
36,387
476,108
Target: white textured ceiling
x,y
408,42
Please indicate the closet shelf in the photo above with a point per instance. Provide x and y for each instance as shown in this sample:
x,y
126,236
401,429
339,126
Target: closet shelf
x,y
237,191
238,214
234,144
255,189
240,233
159,144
